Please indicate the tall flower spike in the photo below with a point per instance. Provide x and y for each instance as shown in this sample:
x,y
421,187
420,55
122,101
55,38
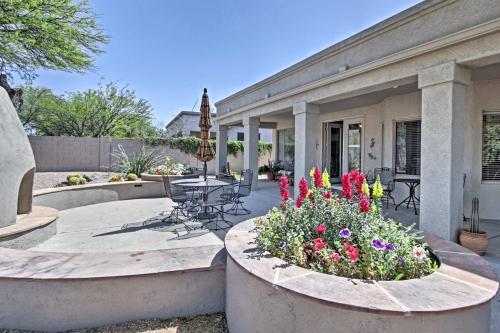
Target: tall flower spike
x,y
378,191
326,180
318,179
346,186
365,188
303,188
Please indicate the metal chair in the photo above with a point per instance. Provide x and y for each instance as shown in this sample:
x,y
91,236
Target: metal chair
x,y
387,181
243,189
181,205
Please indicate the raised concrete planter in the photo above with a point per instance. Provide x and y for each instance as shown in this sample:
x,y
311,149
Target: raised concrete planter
x,y
159,178
82,195
48,291
265,294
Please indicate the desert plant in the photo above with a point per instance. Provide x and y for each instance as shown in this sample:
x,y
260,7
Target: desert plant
x,y
71,175
137,163
82,181
74,180
115,178
131,177
87,178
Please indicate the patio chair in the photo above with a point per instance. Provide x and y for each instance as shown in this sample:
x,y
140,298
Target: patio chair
x,y
387,181
243,189
181,202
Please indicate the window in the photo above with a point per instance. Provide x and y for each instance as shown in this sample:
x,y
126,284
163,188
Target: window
x,y
491,146
240,136
354,147
286,144
408,147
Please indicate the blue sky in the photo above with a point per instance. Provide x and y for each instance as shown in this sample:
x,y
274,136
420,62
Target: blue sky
x,y
169,50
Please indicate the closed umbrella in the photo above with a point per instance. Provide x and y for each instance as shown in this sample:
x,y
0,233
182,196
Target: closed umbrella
x,y
205,151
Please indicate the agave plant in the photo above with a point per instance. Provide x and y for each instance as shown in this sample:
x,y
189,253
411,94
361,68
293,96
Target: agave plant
x,y
136,163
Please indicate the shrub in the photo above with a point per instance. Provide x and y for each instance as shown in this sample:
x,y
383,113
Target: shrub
x,y
82,181
87,178
71,175
169,168
345,236
75,180
137,163
115,178
131,177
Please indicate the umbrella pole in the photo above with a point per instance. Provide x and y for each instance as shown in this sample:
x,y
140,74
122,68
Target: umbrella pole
x,y
205,170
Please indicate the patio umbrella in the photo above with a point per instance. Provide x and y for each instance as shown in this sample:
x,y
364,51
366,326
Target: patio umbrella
x,y
205,151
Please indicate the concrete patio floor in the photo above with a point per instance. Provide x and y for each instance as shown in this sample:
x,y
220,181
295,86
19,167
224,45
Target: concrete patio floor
x,y
135,225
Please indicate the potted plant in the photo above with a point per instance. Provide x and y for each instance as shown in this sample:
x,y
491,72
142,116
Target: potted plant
x,y
271,169
473,238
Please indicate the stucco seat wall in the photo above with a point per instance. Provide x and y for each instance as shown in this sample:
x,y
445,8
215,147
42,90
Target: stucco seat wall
x,y
265,294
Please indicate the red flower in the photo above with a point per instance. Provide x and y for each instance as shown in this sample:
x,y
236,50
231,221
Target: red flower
x,y
318,178
327,195
318,244
352,251
285,195
354,174
320,229
346,186
303,188
364,203
335,256
299,201
359,182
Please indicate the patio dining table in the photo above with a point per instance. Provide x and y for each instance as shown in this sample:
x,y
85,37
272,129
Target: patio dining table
x,y
206,187
412,182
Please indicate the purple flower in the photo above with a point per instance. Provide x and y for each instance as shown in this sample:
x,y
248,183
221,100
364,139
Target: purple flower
x,y
282,244
345,233
389,247
378,244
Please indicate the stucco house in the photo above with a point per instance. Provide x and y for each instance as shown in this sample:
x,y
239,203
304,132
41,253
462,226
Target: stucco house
x,y
185,123
418,92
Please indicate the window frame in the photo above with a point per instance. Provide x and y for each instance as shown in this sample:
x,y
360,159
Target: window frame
x,y
485,111
394,142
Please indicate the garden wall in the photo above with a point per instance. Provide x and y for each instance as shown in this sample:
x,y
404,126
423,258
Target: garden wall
x,y
64,153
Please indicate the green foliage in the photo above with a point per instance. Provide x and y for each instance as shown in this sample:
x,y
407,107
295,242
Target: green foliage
x,y
189,144
82,181
105,111
168,168
74,180
137,163
55,34
115,178
132,177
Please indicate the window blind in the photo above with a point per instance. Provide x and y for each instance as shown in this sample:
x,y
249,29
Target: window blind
x,y
491,147
408,134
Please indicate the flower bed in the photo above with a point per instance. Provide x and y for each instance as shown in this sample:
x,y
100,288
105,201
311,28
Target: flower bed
x,y
345,236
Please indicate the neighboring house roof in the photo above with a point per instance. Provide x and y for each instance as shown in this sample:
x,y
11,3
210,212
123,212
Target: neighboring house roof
x,y
186,113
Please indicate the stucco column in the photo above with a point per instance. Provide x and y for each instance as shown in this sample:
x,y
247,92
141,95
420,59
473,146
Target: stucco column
x,y
306,127
221,147
251,147
274,143
444,90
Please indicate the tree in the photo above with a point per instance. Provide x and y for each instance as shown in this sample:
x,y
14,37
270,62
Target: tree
x,y
105,111
49,34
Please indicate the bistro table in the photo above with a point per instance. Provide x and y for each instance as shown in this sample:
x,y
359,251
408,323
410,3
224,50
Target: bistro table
x,y
206,187
412,183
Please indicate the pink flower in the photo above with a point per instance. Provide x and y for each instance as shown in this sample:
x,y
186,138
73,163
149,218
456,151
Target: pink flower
x,y
364,203
359,182
318,244
318,178
320,229
352,251
303,188
327,195
285,195
335,256
346,186
299,201
354,174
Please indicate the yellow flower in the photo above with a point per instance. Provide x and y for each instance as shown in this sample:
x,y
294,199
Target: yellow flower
x,y
311,173
374,208
378,191
326,180
309,192
365,188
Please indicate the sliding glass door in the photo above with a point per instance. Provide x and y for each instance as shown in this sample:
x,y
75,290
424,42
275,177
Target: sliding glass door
x,y
332,149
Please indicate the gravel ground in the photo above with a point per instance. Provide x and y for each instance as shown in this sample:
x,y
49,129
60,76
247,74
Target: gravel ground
x,y
201,324
51,179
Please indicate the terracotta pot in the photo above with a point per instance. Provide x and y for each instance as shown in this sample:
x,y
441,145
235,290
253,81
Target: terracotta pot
x,y
270,176
474,242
